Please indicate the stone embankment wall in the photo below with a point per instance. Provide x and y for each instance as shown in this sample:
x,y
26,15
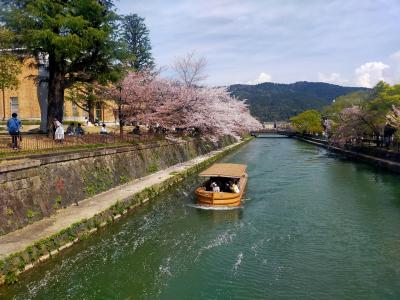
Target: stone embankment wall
x,y
32,189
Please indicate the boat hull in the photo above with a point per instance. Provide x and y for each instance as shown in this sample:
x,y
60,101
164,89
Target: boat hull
x,y
220,198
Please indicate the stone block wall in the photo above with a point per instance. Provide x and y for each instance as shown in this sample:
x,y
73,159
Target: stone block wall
x,y
35,188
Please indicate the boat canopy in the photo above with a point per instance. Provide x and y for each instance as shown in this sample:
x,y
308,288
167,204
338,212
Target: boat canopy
x,y
225,170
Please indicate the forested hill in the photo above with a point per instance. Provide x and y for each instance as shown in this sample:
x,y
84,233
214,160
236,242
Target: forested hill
x,y
275,101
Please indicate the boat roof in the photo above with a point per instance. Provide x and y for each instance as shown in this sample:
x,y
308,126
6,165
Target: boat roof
x,y
225,170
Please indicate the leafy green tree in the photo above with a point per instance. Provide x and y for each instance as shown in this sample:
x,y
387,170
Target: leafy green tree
x,y
365,113
86,96
383,99
353,99
77,36
307,122
135,35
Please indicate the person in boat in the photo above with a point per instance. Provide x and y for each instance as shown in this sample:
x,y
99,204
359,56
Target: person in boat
x,y
227,187
234,187
215,187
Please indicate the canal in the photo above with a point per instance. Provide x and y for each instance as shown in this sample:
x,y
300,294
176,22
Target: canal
x,y
313,226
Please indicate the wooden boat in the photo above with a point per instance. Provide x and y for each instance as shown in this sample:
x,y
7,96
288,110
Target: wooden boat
x,y
222,174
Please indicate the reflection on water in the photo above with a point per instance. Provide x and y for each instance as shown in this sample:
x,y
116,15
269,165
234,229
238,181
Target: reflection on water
x,y
312,226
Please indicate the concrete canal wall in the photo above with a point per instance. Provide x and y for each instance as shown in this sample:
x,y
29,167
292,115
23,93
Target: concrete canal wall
x,y
386,164
23,249
32,189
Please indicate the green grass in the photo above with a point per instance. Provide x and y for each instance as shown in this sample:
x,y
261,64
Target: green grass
x,y
66,149
23,153
24,122
37,122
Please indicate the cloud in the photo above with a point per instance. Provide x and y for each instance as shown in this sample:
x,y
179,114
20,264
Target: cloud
x,y
396,56
334,78
370,73
263,77
395,67
295,39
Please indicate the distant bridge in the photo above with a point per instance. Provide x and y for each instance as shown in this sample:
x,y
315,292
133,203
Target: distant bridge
x,y
273,133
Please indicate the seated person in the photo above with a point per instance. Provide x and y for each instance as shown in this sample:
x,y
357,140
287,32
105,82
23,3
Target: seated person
x,y
234,187
103,129
215,187
79,130
136,130
70,129
227,187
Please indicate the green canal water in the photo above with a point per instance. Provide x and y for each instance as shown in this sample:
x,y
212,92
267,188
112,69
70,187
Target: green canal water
x,y
313,226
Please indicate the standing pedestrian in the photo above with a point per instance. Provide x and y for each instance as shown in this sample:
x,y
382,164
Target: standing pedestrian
x,y
59,132
14,127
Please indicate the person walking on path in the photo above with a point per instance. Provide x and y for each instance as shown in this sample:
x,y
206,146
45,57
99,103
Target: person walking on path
x,y
14,127
59,133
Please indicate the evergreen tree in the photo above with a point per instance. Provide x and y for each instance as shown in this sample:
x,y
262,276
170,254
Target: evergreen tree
x,y
135,35
86,96
75,35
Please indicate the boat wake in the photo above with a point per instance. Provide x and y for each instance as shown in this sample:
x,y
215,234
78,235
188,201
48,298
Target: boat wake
x,y
238,262
204,207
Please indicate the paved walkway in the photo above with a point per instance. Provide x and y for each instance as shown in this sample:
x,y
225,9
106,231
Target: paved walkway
x,y
18,240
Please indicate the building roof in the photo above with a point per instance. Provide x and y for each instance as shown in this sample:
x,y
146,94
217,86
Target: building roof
x,y
225,170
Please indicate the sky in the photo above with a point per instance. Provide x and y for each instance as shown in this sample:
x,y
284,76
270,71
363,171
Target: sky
x,y
345,42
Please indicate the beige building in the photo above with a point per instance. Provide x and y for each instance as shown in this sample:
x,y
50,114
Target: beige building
x,y
29,100
23,100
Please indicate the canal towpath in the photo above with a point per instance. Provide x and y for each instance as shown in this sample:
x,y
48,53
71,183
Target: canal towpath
x,y
18,240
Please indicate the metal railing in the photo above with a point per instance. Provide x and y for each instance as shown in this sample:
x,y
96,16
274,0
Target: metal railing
x,y
38,142
386,148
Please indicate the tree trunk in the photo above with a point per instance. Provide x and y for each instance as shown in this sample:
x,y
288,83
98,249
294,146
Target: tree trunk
x,y
91,111
56,93
4,105
121,122
43,90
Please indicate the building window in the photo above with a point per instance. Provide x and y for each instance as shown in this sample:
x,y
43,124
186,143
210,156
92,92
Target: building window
x,y
14,105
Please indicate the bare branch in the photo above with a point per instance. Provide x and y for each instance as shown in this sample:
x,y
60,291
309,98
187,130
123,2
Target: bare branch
x,y
190,69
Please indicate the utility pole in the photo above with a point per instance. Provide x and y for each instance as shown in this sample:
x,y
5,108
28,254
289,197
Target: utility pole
x,y
121,124
4,105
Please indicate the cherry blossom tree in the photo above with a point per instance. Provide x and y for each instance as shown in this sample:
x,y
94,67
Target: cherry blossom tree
x,y
393,119
355,122
211,112
350,126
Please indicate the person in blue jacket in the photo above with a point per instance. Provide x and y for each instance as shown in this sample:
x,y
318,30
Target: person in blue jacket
x,y
14,127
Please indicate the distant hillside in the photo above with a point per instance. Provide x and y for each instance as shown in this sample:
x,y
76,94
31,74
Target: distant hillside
x,y
275,101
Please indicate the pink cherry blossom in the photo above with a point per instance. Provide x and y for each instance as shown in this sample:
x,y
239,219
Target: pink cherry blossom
x,y
213,112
